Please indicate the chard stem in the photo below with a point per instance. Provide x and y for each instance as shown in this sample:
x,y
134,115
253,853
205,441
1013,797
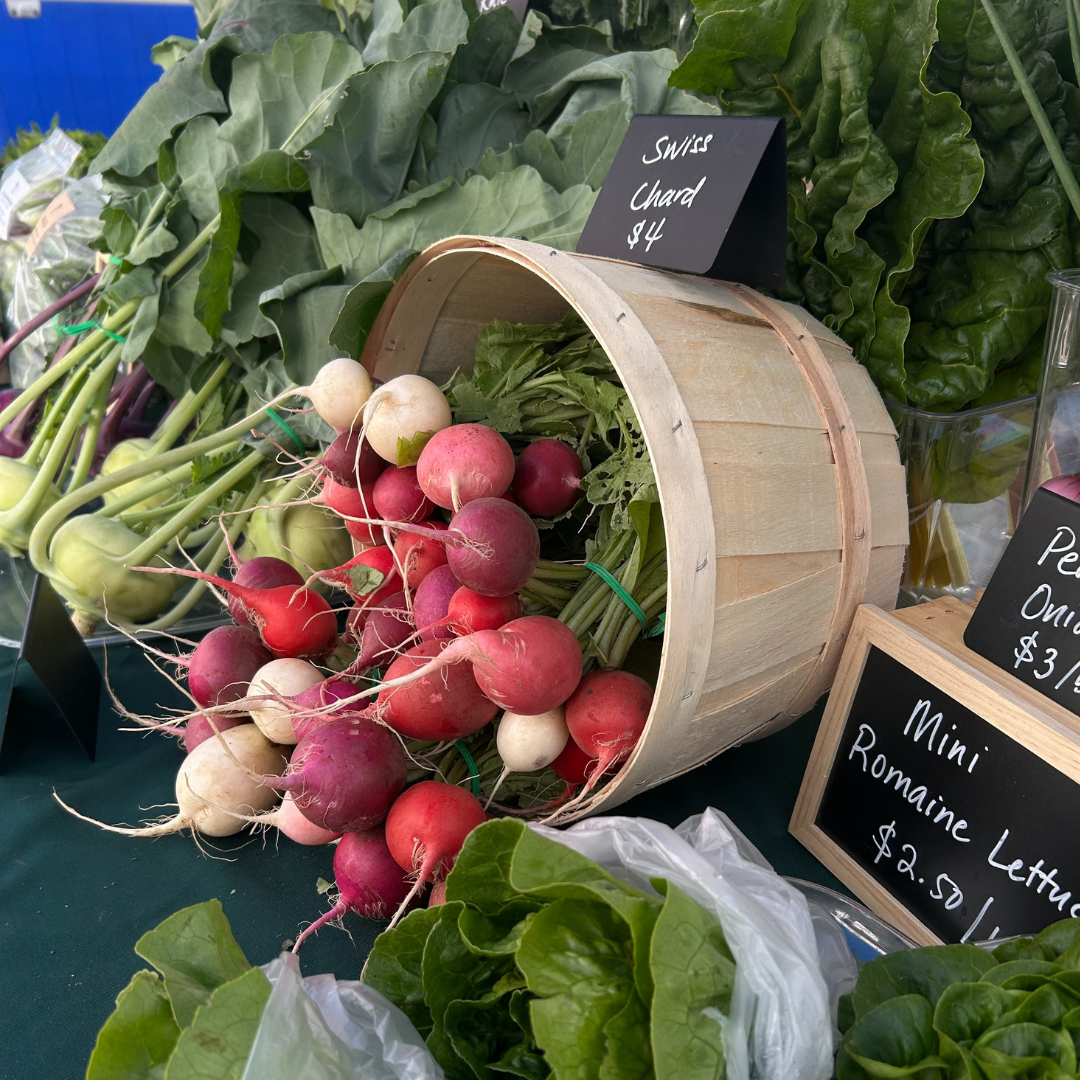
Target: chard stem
x,y
187,408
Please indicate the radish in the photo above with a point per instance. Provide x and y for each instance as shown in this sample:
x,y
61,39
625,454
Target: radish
x,y
419,555
224,663
547,480
339,393
573,765
402,415
261,572
377,558
528,743
291,621
469,611
606,715
445,704
213,793
432,601
398,496
463,463
352,462
369,880
529,666
500,548
426,828
438,894
284,678
349,502
311,704
288,819
200,728
345,774
386,629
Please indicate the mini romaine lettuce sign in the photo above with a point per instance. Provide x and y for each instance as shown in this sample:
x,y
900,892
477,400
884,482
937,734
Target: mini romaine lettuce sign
x,y
701,194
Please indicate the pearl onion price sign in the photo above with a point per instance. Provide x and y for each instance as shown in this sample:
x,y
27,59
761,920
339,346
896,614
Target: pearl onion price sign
x,y
701,194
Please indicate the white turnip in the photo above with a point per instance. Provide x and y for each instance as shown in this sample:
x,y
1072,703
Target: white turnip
x,y
339,392
284,678
402,415
528,743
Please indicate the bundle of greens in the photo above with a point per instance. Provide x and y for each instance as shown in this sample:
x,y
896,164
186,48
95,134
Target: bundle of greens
x,y
23,141
924,209
549,966
956,1012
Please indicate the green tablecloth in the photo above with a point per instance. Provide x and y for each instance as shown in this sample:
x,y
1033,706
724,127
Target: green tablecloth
x,y
74,899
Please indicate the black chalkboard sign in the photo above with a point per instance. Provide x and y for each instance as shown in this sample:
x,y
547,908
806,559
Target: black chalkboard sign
x,y
701,194
972,832
518,7
1028,619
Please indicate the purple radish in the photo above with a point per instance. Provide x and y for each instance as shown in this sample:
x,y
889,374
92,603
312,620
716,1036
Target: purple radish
x,y
501,547
345,774
370,883
198,729
341,463
224,663
387,628
310,702
397,495
432,600
262,572
547,481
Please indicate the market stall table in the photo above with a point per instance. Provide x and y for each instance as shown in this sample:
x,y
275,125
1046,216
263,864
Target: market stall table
x,y
74,899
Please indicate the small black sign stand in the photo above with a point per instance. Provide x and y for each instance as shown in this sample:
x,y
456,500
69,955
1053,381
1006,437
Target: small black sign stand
x,y
62,661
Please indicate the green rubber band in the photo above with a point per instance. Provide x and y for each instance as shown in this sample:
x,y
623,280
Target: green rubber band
x,y
285,427
658,629
475,772
116,261
80,328
621,593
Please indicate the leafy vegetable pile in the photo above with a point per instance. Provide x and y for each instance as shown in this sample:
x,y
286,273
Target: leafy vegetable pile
x,y
24,141
541,963
924,211
196,1019
956,1012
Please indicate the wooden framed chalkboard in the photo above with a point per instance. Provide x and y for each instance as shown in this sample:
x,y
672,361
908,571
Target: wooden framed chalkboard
x,y
943,792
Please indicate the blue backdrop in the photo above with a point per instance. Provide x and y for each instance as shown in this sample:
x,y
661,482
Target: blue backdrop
x,y
89,62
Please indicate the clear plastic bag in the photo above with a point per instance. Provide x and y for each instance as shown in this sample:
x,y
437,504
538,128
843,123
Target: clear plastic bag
x,y
782,1020
320,1028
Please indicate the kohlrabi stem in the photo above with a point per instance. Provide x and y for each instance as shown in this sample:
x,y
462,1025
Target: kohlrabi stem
x,y
1061,164
175,479
89,440
187,408
275,517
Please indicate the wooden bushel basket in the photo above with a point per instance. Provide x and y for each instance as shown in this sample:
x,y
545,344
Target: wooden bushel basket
x,y
781,486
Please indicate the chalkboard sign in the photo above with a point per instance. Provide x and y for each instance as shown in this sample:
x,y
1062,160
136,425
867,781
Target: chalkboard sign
x,y
518,7
947,806
701,194
1028,619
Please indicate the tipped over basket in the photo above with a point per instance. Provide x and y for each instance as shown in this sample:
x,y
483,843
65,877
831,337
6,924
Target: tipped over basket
x,y
780,483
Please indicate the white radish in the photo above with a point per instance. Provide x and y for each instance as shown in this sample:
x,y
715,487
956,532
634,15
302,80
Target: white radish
x,y
400,414
339,393
528,743
284,678
217,786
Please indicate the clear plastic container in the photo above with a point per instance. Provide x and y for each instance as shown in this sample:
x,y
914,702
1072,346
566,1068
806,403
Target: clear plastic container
x,y
965,479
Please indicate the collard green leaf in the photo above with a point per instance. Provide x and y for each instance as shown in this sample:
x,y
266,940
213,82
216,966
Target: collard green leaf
x,y
143,326
166,53
363,304
492,40
431,26
215,278
693,975
202,162
137,1039
217,1045
196,953
303,310
475,118
254,25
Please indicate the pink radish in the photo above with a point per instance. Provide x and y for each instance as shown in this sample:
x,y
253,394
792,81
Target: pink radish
x,y
438,894
547,481
309,704
345,774
419,555
377,558
606,715
426,828
469,611
432,601
288,820
446,704
291,621
369,880
348,503
341,462
223,664
573,765
386,629
500,548
262,572
463,463
199,728
530,665
398,496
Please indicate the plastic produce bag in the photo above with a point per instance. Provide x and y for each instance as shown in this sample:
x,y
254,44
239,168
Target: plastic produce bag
x,y
782,1020
320,1028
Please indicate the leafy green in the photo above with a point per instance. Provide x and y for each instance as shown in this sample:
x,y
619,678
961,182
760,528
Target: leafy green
x,y
139,1036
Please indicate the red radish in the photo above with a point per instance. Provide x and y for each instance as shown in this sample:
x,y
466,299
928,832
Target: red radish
x,y
547,481
573,765
432,601
469,611
291,621
345,774
309,704
398,496
419,555
369,880
438,894
509,497
341,462
378,558
262,572
386,629
463,463
606,715
446,704
529,666
499,547
223,664
349,503
426,828
199,728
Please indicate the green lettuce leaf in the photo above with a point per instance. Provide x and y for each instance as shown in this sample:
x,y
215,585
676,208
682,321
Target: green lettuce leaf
x,y
137,1039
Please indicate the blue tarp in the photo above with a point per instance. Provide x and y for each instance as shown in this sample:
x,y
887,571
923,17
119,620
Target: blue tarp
x,y
89,62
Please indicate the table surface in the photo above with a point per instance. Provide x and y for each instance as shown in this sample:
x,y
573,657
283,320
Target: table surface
x,y
74,899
